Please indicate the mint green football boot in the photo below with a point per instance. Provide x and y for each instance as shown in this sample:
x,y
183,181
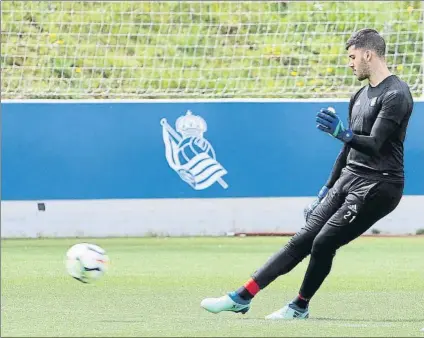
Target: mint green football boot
x,y
290,311
230,302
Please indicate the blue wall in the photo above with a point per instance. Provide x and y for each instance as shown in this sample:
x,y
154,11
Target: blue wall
x,y
116,150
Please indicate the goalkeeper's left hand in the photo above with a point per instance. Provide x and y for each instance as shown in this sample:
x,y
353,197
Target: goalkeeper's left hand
x,y
329,122
311,207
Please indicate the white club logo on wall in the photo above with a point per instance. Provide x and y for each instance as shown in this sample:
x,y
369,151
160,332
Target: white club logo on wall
x,y
189,154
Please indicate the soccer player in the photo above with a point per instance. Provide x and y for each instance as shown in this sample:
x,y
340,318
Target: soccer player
x,y
365,185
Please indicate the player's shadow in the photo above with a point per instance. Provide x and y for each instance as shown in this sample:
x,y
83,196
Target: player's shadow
x,y
421,320
123,321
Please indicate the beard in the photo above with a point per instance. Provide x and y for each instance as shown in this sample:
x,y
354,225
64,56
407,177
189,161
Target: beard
x,y
363,71
361,77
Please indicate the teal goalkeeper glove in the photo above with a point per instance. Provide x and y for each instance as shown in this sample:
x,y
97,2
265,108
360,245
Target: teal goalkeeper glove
x,y
311,207
329,122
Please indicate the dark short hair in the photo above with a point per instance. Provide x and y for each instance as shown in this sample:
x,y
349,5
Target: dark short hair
x,y
369,39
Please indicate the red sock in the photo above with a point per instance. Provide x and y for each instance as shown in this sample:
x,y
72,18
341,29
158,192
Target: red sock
x,y
301,301
303,298
252,287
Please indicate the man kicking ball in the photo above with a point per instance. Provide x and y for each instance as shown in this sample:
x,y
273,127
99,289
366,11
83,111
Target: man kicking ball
x,y
365,185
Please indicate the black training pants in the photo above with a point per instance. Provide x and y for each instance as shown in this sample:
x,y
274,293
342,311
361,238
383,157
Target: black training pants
x,y
350,208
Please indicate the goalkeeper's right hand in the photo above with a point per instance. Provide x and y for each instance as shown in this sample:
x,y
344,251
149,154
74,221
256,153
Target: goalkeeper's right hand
x,y
310,208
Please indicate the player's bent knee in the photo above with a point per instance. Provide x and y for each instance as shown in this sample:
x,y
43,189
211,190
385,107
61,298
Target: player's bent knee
x,y
323,246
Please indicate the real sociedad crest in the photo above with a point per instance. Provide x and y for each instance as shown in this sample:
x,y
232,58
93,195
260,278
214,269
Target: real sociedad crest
x,y
189,154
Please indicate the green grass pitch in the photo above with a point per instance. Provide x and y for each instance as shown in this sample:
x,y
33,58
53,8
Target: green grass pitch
x,y
155,285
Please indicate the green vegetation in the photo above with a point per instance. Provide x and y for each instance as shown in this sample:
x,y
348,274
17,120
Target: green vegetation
x,y
155,285
155,49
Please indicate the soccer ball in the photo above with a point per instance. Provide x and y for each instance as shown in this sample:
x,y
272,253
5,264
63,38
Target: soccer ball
x,y
86,262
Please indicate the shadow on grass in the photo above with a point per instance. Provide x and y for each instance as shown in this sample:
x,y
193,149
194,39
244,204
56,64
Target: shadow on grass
x,y
417,320
123,321
347,320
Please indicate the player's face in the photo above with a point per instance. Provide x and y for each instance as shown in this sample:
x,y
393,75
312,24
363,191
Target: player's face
x,y
359,61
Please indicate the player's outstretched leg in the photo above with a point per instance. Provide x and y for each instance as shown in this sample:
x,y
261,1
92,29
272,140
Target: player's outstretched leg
x,y
280,263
